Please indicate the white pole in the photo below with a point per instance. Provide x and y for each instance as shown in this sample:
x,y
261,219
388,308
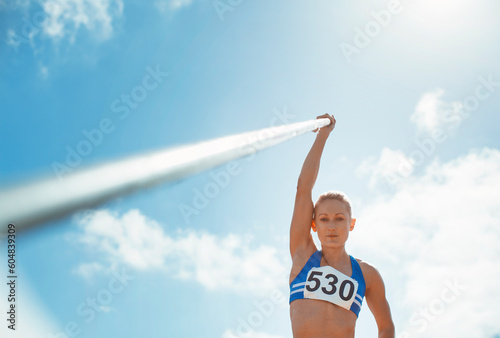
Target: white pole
x,y
50,198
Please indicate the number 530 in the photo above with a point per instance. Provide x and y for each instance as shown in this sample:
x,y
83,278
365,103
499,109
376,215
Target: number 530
x,y
332,283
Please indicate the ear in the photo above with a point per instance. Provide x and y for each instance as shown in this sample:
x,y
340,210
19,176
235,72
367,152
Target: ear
x,y
353,222
313,225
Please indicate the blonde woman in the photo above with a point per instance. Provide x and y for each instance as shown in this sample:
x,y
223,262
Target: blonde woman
x,y
327,285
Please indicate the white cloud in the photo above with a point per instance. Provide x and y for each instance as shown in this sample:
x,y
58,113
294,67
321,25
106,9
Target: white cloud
x,y
43,70
163,5
175,4
11,40
106,309
228,262
432,116
87,270
432,113
66,17
14,40
390,168
438,227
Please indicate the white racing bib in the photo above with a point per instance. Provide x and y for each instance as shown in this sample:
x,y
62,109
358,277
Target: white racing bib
x,y
327,283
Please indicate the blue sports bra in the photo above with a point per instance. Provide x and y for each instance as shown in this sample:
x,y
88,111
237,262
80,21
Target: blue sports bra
x,y
298,284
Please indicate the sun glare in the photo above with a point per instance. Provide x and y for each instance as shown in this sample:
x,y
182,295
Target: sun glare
x,y
445,15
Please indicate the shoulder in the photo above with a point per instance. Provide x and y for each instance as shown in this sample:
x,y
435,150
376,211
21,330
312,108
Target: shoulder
x,y
370,273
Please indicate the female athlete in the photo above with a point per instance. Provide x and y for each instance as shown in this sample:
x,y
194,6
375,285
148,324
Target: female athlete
x,y
328,286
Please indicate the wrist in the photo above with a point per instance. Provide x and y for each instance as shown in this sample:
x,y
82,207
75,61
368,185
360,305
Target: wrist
x,y
322,135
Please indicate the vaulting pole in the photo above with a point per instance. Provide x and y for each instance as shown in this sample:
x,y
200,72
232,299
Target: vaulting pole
x,y
33,203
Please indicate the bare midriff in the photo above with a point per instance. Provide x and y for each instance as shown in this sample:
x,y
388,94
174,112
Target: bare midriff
x,y
318,318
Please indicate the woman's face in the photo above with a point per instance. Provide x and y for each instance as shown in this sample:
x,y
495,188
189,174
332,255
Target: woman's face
x,y
332,222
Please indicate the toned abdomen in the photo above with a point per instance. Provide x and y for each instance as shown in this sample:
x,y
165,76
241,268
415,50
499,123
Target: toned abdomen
x,y
317,318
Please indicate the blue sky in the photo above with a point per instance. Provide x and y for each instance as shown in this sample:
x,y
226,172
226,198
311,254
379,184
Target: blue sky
x,y
415,89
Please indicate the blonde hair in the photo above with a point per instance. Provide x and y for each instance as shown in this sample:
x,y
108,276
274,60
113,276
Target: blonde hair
x,y
334,195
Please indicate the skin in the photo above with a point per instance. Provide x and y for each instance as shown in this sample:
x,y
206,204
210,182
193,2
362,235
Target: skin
x,y
333,223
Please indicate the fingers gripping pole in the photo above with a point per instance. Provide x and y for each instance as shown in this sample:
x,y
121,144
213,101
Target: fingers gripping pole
x,y
47,199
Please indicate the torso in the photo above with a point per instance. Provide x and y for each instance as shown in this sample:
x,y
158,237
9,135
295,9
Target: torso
x,y
316,318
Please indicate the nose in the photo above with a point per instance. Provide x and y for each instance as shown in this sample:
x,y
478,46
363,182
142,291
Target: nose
x,y
332,227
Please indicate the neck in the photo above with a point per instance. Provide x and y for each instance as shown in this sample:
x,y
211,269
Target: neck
x,y
334,256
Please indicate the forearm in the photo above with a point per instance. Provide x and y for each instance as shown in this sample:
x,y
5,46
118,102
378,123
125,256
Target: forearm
x,y
387,332
310,168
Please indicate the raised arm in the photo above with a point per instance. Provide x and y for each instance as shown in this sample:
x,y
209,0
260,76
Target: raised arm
x,y
300,229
